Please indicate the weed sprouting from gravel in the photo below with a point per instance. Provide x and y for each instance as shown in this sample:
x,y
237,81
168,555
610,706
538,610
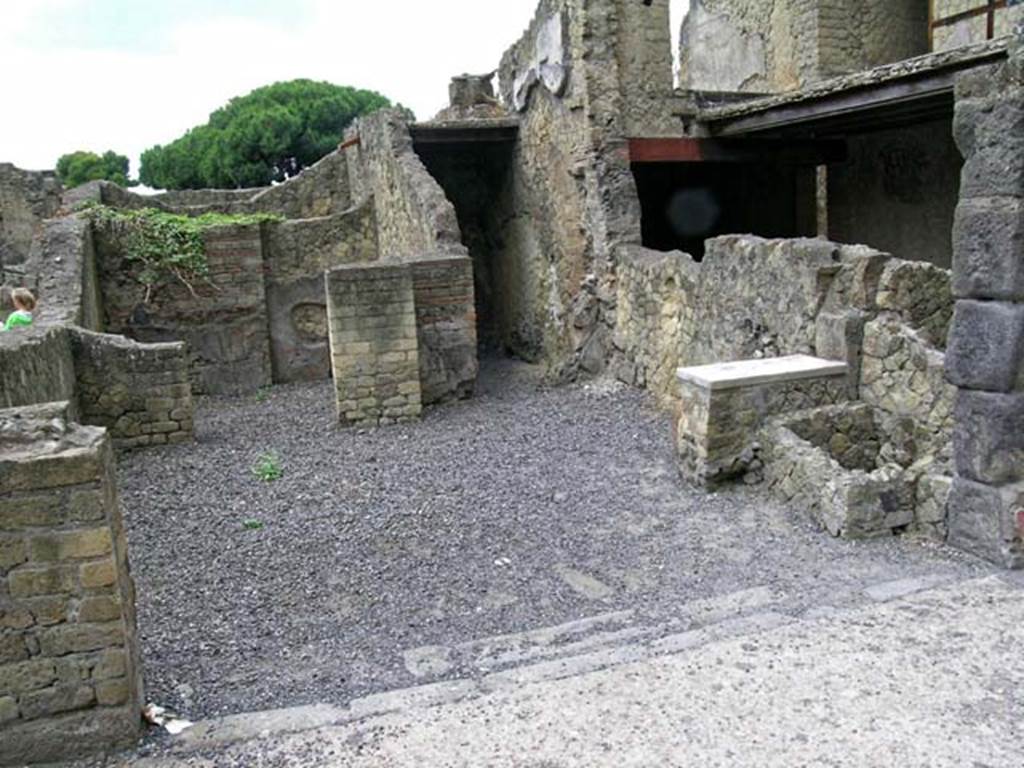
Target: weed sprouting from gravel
x,y
268,467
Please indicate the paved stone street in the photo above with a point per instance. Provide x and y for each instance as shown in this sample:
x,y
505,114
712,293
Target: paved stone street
x,y
530,532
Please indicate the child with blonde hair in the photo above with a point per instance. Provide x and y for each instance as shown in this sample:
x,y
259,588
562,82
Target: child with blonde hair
x,y
24,305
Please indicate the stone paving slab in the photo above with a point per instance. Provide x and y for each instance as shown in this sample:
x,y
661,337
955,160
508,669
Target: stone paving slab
x,y
931,678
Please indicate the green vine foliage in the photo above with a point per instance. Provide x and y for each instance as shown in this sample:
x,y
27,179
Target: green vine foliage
x,y
166,247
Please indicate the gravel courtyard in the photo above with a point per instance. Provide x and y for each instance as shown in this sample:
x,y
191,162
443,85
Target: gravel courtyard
x,y
522,508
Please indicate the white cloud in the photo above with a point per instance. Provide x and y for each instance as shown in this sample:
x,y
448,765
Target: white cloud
x,y
127,101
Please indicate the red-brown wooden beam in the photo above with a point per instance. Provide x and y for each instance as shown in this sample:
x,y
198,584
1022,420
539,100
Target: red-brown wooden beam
x,y
737,150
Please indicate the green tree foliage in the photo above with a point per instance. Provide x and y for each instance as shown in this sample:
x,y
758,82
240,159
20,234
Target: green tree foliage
x,y
79,167
268,135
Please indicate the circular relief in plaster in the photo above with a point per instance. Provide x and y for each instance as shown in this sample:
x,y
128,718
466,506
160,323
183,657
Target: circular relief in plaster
x,y
310,322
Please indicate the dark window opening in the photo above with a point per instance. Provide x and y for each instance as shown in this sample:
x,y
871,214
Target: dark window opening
x,y
684,204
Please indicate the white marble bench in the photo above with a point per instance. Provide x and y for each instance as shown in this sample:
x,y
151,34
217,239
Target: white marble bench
x,y
724,405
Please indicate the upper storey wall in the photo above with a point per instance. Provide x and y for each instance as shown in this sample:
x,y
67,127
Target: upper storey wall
x,y
779,45
26,199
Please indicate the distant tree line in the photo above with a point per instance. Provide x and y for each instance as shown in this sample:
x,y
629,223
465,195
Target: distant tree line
x,y
266,136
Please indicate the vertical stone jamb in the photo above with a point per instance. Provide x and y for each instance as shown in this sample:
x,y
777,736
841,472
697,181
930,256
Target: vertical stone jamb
x,y
985,357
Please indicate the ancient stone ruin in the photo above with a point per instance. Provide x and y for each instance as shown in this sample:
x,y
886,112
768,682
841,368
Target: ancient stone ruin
x,y
810,253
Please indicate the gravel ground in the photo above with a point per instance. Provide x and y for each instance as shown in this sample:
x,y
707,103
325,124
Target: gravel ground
x,y
521,508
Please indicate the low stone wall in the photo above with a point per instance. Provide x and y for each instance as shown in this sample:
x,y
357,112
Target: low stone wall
x,y
36,366
139,392
723,407
372,319
834,464
297,252
69,662
446,328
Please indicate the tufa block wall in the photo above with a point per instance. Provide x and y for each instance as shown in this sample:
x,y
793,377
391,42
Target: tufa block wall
x,y
69,664
139,392
372,318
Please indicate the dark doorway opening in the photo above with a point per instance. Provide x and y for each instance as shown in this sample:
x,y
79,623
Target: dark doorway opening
x,y
472,168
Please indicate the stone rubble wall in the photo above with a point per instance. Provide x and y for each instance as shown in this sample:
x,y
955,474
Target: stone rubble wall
x,y
140,392
36,366
570,200
225,325
321,190
816,461
767,46
446,328
27,198
655,310
372,316
296,254
985,354
70,681
413,216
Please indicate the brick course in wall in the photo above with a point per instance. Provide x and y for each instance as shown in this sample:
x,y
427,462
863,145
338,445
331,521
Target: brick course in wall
x,y
69,669
372,320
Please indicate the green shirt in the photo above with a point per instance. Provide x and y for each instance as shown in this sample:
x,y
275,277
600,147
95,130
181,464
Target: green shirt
x,y
16,318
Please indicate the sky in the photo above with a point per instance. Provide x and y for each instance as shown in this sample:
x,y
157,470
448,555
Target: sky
x,y
129,74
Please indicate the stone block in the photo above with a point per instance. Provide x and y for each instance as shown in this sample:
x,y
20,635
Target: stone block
x,y
986,346
27,676
988,249
48,610
86,505
112,663
48,580
988,439
8,709
55,700
79,638
990,135
71,545
12,648
110,693
99,574
12,552
99,608
987,521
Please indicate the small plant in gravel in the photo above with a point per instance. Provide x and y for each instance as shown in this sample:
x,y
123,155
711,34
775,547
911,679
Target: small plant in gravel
x,y
262,394
252,525
268,467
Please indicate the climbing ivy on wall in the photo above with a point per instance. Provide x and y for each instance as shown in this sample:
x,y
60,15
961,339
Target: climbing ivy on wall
x,y
166,247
